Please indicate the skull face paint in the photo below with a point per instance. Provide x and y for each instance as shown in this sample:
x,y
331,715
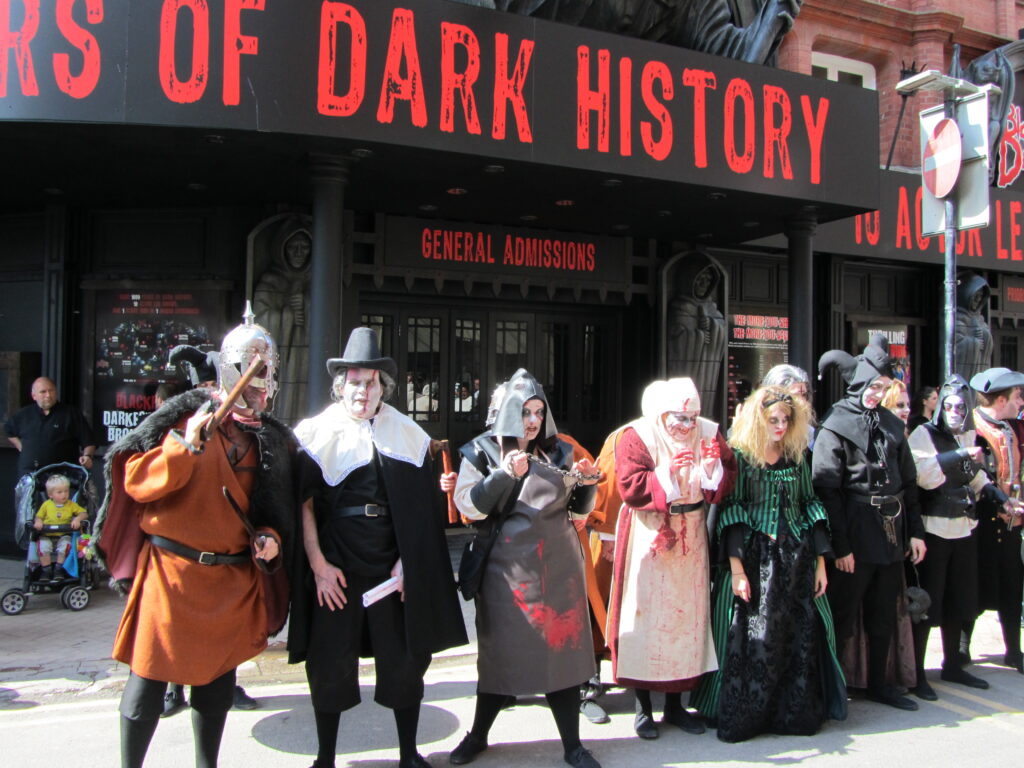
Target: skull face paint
x,y
954,413
679,424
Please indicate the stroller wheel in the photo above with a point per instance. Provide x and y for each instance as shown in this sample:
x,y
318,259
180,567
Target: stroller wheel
x,y
76,598
13,602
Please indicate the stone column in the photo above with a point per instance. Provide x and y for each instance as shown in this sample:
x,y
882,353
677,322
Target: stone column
x,y
329,175
55,297
800,234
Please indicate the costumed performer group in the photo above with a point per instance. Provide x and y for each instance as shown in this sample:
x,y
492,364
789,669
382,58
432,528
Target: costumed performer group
x,y
215,524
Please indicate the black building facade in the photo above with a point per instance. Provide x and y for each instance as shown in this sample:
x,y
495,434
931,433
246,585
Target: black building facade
x,y
488,191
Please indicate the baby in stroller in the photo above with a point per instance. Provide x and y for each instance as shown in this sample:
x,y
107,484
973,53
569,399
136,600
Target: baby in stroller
x,y
54,514
52,532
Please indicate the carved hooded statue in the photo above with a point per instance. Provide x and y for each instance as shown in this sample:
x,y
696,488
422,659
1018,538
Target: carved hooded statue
x,y
972,337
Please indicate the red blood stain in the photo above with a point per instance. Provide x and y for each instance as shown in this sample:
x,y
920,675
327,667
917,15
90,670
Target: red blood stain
x,y
559,629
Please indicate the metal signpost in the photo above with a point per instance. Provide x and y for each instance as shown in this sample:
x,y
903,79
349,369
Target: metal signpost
x,y
954,170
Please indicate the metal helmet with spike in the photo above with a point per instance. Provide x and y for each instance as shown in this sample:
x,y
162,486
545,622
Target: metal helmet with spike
x,y
240,346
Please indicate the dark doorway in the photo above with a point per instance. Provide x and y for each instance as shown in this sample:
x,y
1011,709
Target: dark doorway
x,y
451,359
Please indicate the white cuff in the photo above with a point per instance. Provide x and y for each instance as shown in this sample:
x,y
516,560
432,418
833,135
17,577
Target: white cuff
x,y
711,483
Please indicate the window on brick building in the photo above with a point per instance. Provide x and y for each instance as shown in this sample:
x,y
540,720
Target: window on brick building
x,y
840,69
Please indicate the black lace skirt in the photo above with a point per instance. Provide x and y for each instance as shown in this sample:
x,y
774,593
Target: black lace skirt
x,y
776,667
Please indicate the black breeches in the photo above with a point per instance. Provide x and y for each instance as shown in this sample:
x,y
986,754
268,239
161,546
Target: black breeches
x,y
335,640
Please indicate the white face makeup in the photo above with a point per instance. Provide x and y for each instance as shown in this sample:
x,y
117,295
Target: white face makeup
x,y
798,389
874,392
533,418
778,423
362,391
902,408
954,412
679,424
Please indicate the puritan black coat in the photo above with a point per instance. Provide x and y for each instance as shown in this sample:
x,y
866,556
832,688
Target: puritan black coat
x,y
433,619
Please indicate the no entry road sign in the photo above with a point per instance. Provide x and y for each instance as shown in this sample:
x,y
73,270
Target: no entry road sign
x,y
941,160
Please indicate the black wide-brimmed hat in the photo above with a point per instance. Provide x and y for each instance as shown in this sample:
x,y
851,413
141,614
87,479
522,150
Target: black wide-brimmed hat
x,y
362,351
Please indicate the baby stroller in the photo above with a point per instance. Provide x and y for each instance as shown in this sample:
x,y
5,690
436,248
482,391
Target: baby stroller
x,y
79,574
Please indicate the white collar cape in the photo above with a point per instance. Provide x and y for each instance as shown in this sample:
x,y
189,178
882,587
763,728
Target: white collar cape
x,y
340,444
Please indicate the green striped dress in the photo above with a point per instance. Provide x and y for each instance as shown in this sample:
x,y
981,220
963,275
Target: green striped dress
x,y
768,501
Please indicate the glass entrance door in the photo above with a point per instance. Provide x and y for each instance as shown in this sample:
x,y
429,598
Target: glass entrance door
x,y
451,359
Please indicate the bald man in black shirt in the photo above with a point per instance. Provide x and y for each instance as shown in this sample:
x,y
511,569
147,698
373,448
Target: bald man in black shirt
x,y
49,432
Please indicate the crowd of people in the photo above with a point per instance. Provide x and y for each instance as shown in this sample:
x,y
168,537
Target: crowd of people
x,y
759,572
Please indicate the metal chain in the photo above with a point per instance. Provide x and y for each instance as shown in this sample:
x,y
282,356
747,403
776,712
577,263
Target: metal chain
x,y
573,473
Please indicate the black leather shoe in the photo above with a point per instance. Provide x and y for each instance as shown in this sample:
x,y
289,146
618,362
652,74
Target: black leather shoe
x,y
890,697
645,726
962,676
1015,661
174,702
581,758
683,720
416,761
594,712
468,749
923,689
243,700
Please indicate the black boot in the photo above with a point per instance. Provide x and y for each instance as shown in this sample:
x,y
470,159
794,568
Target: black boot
x,y
676,714
135,738
643,723
957,674
207,730
922,689
878,690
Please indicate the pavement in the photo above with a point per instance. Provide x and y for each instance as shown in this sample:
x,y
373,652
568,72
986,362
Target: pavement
x,y
55,670
80,665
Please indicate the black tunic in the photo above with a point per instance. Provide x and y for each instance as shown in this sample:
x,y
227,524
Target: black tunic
x,y
846,468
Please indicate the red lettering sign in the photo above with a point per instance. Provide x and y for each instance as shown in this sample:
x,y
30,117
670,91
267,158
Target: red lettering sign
x,y
328,102
1010,144
700,80
18,41
236,44
176,89
742,160
659,149
588,100
403,56
776,134
81,85
509,89
453,35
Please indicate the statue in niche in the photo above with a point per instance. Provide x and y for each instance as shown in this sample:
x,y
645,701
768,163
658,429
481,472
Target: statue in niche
x,y
281,304
972,339
696,331
747,30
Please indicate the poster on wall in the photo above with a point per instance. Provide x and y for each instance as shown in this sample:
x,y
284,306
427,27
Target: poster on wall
x,y
756,344
135,329
899,350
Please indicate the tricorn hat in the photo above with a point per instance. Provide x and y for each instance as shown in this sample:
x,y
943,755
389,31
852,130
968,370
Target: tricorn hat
x,y
996,379
362,351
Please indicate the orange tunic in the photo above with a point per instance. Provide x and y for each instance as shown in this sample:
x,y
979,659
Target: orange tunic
x,y
186,622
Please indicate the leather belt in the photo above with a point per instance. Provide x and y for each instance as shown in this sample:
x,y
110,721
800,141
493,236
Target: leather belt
x,y
678,509
363,510
877,501
203,558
